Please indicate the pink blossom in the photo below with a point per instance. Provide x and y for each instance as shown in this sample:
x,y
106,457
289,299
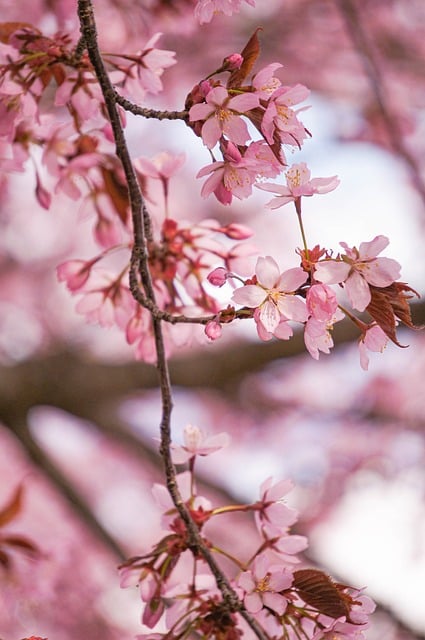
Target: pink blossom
x,y
222,115
317,337
358,268
205,10
374,339
272,514
233,176
197,444
265,83
262,586
74,273
280,119
299,184
321,302
274,294
162,166
283,330
148,66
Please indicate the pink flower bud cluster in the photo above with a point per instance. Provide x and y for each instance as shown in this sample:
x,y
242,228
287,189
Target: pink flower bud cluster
x,y
286,601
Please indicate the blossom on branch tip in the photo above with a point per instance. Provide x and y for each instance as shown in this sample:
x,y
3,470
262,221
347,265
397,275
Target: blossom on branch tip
x,y
273,294
221,114
299,183
373,339
205,10
359,268
263,584
197,444
272,514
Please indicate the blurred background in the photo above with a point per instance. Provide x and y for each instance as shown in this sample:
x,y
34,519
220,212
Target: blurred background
x,y
79,416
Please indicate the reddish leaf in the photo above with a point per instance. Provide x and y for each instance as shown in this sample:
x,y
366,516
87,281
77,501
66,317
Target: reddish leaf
x,y
12,508
249,55
8,28
389,303
318,590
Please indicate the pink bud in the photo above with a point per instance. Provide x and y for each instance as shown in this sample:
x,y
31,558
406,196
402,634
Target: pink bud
x,y
218,277
237,231
213,329
43,196
232,62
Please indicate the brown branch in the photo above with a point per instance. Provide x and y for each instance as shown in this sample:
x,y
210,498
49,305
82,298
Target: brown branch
x,y
150,113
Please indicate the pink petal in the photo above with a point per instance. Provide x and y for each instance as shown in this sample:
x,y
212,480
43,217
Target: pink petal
x,y
269,316
368,250
358,291
293,308
275,601
211,132
381,272
332,271
267,272
244,102
249,295
292,279
253,602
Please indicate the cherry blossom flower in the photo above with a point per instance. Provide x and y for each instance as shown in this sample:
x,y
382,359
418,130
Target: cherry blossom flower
x,y
265,83
273,294
197,444
321,302
283,330
74,273
272,514
222,115
233,176
299,184
374,339
162,166
358,268
317,337
144,75
205,10
262,586
279,117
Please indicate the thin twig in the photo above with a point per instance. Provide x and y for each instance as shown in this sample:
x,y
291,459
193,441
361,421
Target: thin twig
x,y
149,113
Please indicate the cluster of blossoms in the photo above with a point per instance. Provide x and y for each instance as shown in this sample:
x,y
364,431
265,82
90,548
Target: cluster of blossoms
x,y
219,115
287,601
81,164
303,295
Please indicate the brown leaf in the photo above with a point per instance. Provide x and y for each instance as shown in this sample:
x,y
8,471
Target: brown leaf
x,y
318,590
391,303
249,54
12,508
8,28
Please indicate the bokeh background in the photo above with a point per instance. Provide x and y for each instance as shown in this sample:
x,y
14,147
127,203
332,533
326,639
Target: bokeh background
x,y
79,416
